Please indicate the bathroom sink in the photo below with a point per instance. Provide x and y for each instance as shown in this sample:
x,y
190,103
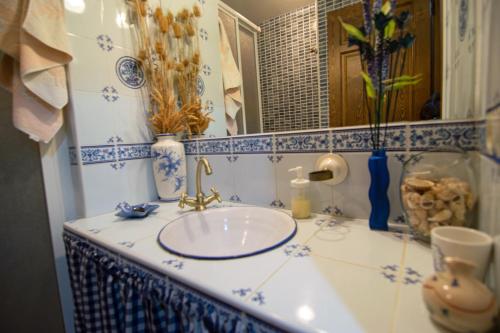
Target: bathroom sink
x,y
227,233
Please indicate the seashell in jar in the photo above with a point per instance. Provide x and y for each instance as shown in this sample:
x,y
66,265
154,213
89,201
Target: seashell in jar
x,y
458,208
446,194
439,204
427,200
470,200
419,184
460,187
412,200
441,216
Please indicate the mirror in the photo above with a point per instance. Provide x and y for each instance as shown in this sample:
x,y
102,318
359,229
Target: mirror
x,y
297,70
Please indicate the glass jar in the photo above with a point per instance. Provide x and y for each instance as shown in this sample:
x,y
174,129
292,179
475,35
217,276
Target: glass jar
x,y
438,189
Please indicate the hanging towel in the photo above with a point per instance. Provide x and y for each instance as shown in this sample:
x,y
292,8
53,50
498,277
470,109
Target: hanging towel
x,y
231,79
35,49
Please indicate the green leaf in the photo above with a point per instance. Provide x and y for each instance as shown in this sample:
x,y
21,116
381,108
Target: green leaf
x,y
353,31
403,78
389,29
370,90
386,8
402,84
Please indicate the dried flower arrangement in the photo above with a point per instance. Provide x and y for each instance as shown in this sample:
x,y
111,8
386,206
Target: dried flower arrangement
x,y
383,42
170,58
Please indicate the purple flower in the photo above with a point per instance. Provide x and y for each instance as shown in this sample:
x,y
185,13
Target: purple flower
x,y
377,5
367,16
393,6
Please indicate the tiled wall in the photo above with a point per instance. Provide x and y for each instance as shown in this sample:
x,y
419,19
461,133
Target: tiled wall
x,y
254,169
111,139
288,63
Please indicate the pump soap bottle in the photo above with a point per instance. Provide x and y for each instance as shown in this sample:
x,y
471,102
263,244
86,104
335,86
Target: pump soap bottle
x,y
301,204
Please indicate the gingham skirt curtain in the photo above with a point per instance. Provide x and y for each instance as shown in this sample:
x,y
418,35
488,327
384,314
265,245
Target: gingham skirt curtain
x,y
113,296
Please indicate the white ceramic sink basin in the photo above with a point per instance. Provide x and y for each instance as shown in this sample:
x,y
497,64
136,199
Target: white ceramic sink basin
x,y
226,233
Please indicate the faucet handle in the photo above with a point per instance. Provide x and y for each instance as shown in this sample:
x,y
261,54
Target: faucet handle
x,y
216,194
182,200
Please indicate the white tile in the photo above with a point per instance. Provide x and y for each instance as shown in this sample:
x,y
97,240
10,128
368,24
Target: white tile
x,y
103,188
395,167
118,23
254,180
354,242
411,313
191,174
328,296
90,68
351,196
95,122
139,182
221,177
131,119
84,18
93,225
126,232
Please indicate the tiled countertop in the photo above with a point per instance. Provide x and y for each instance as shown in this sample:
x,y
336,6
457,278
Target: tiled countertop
x,y
335,275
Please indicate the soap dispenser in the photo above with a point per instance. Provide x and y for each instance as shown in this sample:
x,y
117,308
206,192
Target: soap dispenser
x,y
301,204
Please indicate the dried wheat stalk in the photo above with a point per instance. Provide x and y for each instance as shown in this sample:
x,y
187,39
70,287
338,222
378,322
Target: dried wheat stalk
x,y
170,58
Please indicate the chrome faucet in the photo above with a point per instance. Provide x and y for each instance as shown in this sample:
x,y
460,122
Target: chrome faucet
x,y
200,202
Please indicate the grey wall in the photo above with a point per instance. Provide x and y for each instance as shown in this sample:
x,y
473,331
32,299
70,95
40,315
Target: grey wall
x,y
29,300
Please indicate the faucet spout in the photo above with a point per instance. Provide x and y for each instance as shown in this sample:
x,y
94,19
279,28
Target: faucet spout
x,y
200,201
202,163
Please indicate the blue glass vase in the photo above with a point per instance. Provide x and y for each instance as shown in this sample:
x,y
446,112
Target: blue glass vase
x,y
379,174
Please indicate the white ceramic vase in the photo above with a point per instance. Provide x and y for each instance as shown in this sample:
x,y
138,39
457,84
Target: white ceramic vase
x,y
169,167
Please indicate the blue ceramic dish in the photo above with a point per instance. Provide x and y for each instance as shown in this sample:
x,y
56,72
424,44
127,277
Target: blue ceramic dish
x,y
136,211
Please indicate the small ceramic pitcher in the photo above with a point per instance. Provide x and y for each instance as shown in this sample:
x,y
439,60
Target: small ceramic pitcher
x,y
457,300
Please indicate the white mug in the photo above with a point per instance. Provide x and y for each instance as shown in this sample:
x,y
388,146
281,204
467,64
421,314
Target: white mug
x,y
465,243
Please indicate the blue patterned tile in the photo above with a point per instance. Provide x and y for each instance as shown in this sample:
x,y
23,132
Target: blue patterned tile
x,y
235,198
259,298
200,86
303,142
129,72
190,147
242,292
359,139
127,244
215,147
98,154
105,43
203,34
117,165
297,250
253,144
438,135
134,151
206,69
177,264
110,94
277,204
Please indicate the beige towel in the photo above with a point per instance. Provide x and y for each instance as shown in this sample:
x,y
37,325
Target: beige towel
x,y
34,42
231,79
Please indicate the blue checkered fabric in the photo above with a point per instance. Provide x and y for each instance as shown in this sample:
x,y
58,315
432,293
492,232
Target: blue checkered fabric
x,y
111,295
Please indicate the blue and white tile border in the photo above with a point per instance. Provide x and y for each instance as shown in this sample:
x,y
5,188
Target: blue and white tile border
x,y
402,137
